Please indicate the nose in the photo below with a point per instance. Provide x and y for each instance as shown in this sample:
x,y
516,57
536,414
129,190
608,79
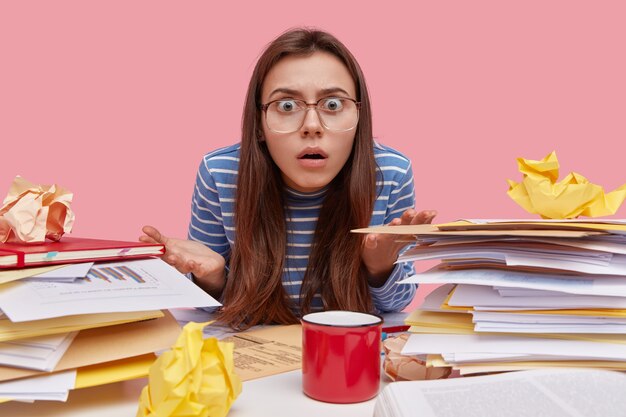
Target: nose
x,y
312,125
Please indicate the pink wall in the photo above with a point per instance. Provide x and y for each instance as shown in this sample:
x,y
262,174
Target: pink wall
x,y
119,100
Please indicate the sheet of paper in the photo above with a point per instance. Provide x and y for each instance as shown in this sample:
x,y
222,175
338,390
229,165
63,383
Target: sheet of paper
x,y
17,274
434,300
506,317
611,286
435,320
610,244
447,343
617,265
215,329
504,247
149,284
548,221
480,368
464,357
485,296
14,331
114,371
65,273
112,343
53,387
554,262
269,351
41,353
603,228
458,229
185,315
540,328
527,292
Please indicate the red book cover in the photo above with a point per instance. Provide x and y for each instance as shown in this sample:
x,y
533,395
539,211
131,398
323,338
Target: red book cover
x,y
73,250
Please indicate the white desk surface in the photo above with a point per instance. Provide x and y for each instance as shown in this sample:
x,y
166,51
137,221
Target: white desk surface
x,y
275,396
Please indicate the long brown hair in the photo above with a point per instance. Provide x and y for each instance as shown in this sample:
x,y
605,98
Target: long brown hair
x,y
254,291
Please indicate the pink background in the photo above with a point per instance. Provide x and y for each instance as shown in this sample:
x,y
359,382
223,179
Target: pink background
x,y
119,100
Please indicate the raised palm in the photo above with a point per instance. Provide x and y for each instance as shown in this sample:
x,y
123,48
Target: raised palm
x,y
186,255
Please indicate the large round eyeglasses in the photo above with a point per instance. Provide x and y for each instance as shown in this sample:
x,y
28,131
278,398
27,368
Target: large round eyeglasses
x,y
287,115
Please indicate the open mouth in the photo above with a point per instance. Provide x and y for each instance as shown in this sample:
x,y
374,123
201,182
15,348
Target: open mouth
x,y
312,156
312,153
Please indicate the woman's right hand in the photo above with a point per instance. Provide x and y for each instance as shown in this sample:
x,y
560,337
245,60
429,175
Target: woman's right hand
x,y
187,256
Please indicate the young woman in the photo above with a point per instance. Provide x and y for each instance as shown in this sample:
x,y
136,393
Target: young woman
x,y
271,216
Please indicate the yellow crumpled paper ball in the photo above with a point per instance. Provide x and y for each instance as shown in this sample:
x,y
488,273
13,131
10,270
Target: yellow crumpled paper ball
x,y
540,193
34,212
195,378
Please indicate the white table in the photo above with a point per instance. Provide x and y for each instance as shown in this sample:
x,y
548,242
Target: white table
x,y
275,396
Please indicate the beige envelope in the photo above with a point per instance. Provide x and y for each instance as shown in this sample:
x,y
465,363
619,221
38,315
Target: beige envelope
x,y
110,343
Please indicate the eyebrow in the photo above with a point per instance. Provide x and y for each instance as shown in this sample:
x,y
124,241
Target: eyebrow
x,y
322,92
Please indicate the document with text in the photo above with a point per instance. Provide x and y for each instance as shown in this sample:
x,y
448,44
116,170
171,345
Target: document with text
x,y
567,393
140,285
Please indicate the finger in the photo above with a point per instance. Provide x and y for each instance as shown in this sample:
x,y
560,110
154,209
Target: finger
x,y
424,216
198,269
395,222
371,241
147,239
202,269
408,216
171,259
186,267
154,234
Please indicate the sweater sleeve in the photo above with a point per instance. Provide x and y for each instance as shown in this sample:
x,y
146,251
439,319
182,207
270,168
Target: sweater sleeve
x,y
206,225
392,296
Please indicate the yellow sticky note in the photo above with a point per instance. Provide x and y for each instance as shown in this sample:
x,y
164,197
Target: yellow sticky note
x,y
540,193
195,378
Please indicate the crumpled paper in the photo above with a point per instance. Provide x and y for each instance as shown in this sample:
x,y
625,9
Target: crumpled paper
x,y
540,193
32,212
400,367
195,378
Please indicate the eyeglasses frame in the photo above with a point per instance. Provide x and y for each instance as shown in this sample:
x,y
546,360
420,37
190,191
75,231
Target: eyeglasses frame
x,y
265,106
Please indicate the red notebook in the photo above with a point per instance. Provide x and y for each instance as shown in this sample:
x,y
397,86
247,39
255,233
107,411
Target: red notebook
x,y
73,250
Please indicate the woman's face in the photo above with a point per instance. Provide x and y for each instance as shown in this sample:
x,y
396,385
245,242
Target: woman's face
x,y
312,156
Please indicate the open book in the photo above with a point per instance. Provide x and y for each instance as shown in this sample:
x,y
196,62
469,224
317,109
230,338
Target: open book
x,y
553,392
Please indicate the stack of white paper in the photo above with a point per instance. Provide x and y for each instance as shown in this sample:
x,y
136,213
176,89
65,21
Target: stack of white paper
x,y
53,387
526,294
42,312
42,353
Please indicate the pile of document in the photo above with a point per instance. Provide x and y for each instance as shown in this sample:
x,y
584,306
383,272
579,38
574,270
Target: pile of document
x,y
76,325
521,294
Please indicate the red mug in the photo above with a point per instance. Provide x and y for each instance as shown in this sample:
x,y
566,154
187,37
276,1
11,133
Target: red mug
x,y
341,356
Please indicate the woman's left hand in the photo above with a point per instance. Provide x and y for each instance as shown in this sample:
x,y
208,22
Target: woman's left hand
x,y
380,251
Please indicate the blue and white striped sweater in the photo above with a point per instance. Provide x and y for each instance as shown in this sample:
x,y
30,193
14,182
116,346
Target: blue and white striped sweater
x,y
212,218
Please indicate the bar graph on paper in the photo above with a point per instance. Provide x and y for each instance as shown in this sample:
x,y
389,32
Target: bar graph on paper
x,y
132,285
121,278
114,273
